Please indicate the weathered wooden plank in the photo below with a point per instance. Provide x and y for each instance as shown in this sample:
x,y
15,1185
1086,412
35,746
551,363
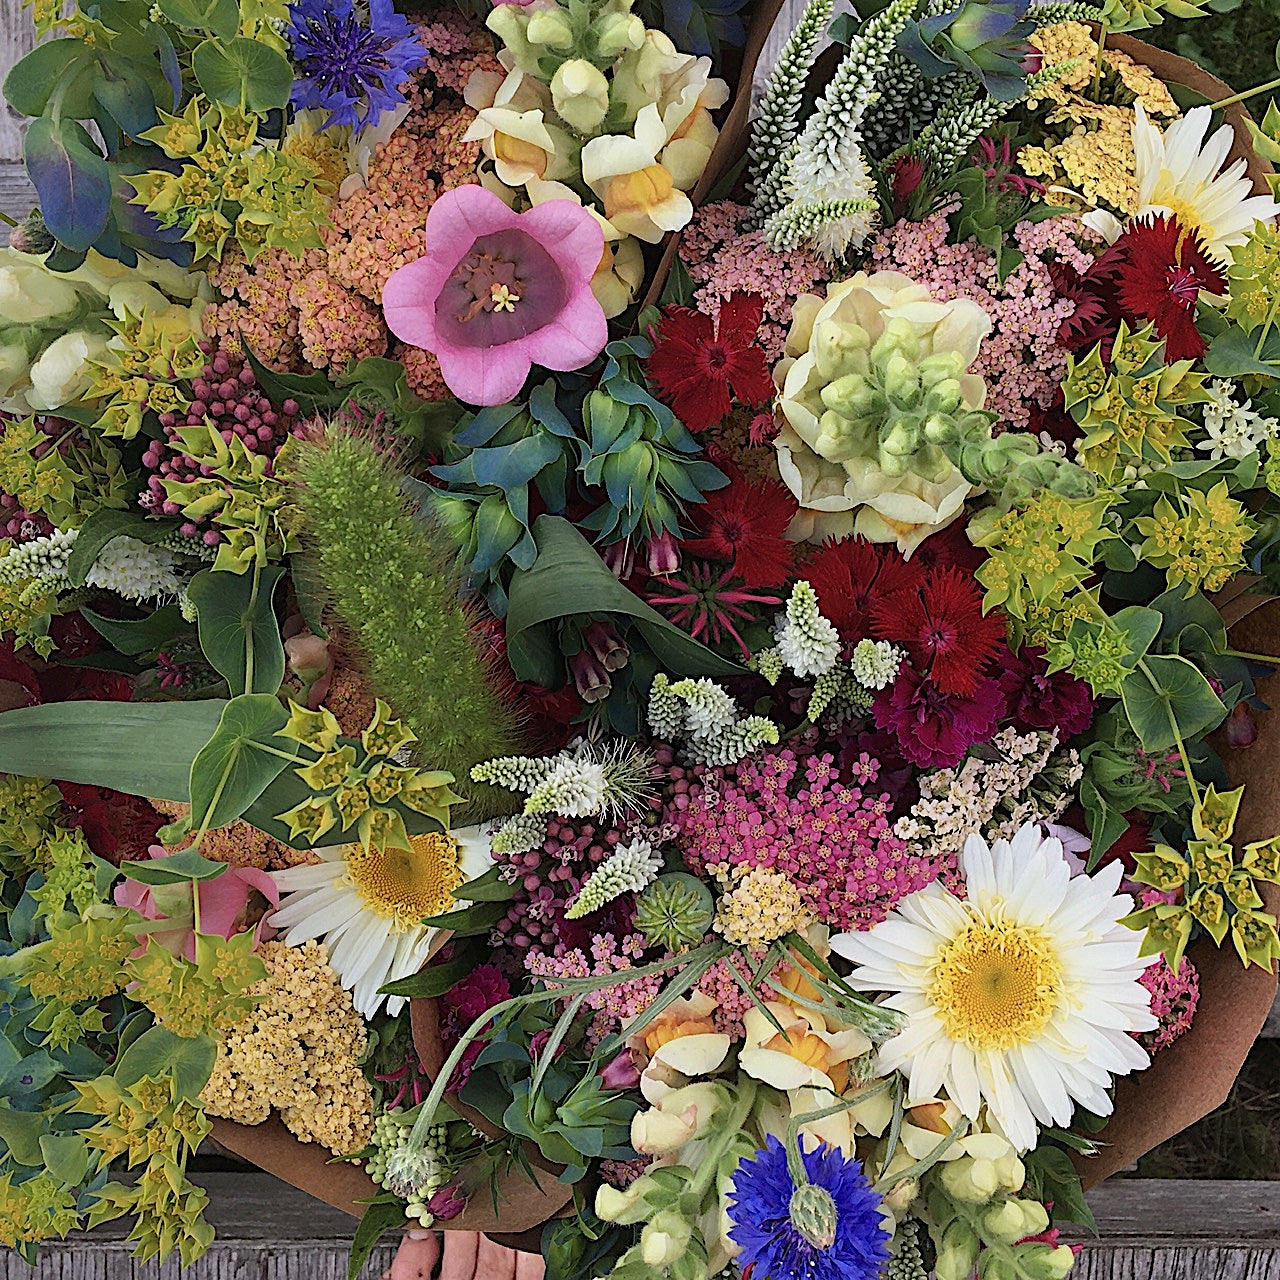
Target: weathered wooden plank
x,y
270,1231
17,37
17,197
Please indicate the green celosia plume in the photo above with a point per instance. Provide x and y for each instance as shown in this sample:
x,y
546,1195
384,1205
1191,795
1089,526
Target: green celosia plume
x,y
394,587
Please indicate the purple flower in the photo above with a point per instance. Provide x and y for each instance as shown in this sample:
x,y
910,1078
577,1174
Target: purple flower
x,y
935,729
1038,700
352,71
499,291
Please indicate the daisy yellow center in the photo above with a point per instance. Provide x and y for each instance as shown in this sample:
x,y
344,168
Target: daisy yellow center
x,y
1190,217
406,885
996,985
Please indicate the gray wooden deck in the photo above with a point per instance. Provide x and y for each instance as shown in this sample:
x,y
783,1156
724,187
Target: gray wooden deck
x,y
269,1231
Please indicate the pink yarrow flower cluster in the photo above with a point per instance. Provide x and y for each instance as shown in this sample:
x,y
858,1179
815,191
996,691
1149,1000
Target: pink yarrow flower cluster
x,y
1174,997
787,811
724,258
1020,359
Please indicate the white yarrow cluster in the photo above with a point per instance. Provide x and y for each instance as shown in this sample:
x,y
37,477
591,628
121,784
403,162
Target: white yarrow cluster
x,y
704,718
808,643
628,869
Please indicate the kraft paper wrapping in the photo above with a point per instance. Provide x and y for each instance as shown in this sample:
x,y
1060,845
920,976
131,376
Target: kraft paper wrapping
x,y
1185,1082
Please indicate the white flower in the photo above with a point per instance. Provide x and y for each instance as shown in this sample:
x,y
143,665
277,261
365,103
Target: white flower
x,y
32,294
875,663
1181,174
628,869
808,642
1019,997
1235,430
64,371
368,908
136,571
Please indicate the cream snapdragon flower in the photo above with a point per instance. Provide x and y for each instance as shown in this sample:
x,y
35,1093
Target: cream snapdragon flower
x,y
1020,996
368,906
1180,174
511,126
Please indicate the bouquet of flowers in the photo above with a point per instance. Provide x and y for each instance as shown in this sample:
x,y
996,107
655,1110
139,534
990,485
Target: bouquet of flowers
x,y
663,673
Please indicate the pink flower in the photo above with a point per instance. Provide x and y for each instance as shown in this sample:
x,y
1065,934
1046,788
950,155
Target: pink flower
x,y
499,291
224,906
935,729
461,1006
620,1072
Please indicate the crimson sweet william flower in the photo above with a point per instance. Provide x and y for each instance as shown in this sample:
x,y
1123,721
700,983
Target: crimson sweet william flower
x,y
460,1006
935,729
699,366
850,577
1162,269
743,526
1038,700
942,627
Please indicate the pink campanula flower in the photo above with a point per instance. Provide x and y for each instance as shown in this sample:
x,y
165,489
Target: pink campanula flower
x,y
500,291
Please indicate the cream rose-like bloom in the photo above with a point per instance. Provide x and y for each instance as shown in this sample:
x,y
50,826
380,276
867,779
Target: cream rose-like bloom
x,y
1019,997
831,454
30,293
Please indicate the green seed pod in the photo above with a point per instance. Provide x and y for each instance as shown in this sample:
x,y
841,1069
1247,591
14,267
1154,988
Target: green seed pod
x,y
675,911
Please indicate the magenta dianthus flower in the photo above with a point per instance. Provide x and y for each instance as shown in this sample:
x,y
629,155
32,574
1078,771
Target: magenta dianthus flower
x,y
935,729
498,292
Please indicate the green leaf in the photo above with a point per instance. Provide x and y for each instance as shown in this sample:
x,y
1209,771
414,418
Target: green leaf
x,y
21,1132
238,629
141,748
312,391
177,868
158,1052
489,887
1166,690
432,981
1233,354
569,578
382,1216
66,1156
219,18
479,918
104,525
1054,1180
32,80
142,635
230,773
243,73
72,180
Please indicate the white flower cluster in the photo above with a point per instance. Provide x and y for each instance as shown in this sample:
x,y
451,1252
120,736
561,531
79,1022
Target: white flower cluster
x,y
1234,430
1029,781
628,869
130,568
579,782
875,663
808,643
702,716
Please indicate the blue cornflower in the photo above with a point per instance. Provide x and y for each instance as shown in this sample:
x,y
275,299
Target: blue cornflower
x,y
826,1229
347,67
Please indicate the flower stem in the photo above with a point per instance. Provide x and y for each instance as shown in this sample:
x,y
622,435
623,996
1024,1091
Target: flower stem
x,y
1245,95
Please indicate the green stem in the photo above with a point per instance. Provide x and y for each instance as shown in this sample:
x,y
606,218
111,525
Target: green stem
x,y
1273,659
8,221
1266,327
213,804
252,612
710,1163
1097,62
1245,95
921,1167
1177,736
274,751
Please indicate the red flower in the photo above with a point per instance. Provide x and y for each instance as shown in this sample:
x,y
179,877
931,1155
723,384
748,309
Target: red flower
x,y
849,577
696,363
1162,269
744,526
708,605
942,628
935,729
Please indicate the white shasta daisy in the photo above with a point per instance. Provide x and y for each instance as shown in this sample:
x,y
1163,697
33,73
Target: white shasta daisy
x,y
1020,996
368,906
1180,174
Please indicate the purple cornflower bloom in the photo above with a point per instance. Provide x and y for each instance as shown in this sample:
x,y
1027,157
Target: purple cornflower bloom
x,y
348,67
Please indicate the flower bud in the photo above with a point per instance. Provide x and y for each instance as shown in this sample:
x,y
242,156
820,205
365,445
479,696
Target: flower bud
x,y
589,678
957,1177
1004,1222
550,27
580,94
663,554
958,1255
853,396
616,32
665,1239
607,645
64,371
620,1072
308,656
447,1203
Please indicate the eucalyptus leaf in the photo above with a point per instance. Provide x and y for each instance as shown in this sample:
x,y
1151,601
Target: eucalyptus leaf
x,y
219,18
72,180
21,1132
34,79
65,1155
141,635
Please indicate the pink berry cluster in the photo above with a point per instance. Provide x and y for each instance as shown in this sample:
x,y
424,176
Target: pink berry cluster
x,y
788,809
226,396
